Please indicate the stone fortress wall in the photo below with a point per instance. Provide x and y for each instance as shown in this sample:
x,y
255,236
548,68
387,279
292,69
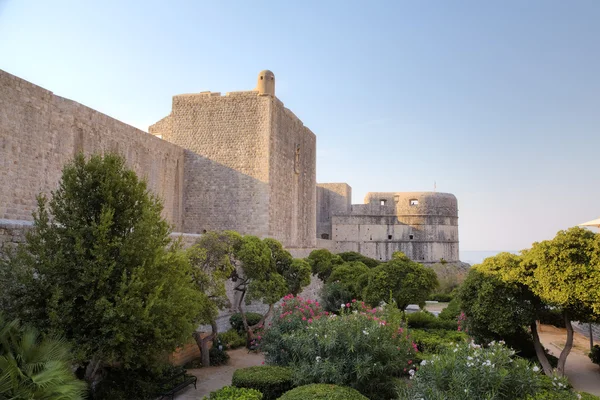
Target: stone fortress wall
x,y
423,225
40,132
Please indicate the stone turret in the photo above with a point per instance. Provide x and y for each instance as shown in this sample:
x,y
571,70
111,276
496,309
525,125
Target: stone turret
x,y
266,82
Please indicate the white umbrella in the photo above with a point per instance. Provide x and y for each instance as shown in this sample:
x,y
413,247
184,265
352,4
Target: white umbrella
x,y
595,223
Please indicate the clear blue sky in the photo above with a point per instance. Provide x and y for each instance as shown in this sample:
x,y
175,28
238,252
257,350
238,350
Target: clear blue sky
x,y
498,103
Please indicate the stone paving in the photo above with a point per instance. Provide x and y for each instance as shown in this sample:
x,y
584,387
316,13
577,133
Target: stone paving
x,y
582,373
214,378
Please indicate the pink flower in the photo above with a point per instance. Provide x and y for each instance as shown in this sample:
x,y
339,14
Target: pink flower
x,y
303,318
263,362
347,304
310,320
409,362
354,300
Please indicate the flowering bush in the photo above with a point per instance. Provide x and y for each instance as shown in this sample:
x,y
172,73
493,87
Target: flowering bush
x,y
293,314
356,348
470,371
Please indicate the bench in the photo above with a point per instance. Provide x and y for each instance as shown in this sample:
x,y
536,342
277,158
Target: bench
x,y
175,384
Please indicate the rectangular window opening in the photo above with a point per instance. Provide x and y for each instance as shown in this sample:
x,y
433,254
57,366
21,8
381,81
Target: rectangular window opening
x,y
411,237
389,237
414,202
382,202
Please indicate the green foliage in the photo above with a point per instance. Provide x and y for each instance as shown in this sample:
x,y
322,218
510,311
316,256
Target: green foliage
x,y
595,354
321,391
32,367
100,269
496,309
354,349
322,262
469,371
234,393
237,322
452,311
564,273
218,357
350,256
426,320
271,381
293,314
333,295
436,340
348,275
551,316
296,272
408,282
232,339
441,297
135,384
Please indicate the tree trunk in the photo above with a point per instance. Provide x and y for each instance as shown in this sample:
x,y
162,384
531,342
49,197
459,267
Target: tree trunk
x,y
539,350
568,345
203,343
92,372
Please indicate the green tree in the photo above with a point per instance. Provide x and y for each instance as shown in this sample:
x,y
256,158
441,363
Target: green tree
x,y
499,309
265,272
349,276
355,256
212,259
32,367
408,282
322,262
565,273
99,269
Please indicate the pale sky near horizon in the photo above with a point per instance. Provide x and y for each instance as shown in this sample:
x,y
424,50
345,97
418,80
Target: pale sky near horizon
x,y
496,102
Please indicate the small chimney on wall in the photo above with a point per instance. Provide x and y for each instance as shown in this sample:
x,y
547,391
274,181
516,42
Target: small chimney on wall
x,y
266,82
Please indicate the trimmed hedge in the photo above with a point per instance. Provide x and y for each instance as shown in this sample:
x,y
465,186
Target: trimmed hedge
x,y
426,320
271,381
435,340
595,355
323,391
234,393
237,322
232,339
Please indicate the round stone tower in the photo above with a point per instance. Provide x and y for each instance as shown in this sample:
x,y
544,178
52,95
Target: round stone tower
x,y
266,82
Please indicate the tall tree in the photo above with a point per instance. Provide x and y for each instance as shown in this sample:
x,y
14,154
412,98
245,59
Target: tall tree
x,y
212,259
265,272
408,282
99,268
500,307
564,272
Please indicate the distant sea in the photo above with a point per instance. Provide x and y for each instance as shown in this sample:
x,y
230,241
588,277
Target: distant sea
x,y
477,257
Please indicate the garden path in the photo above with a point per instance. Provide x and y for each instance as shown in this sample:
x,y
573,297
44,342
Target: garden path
x,y
214,378
582,373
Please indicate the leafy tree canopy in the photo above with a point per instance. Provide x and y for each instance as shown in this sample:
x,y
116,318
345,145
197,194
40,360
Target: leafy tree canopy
x,y
349,276
322,262
408,282
355,256
100,269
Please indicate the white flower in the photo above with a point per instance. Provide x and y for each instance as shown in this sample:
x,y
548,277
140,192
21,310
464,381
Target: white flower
x,y
343,305
455,350
536,369
469,358
365,332
325,336
318,358
424,362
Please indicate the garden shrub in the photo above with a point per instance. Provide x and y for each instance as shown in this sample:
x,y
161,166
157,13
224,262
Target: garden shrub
x,y
426,320
333,294
595,354
435,340
232,339
470,371
271,381
442,297
235,393
355,349
322,391
217,357
451,312
349,256
237,322
134,384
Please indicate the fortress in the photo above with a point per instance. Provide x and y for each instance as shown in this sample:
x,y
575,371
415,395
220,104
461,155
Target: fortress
x,y
239,161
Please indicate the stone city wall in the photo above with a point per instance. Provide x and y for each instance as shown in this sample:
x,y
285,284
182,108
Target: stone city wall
x,y
40,132
292,179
